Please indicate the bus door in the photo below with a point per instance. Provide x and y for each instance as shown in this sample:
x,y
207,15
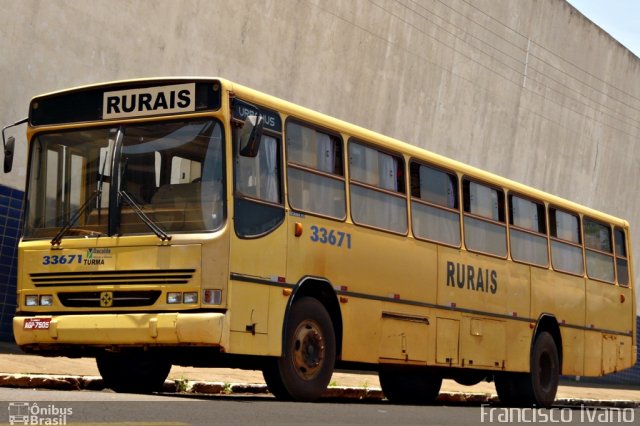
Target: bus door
x,y
259,238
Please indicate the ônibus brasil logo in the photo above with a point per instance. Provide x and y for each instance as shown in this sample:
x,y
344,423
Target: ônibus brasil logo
x,y
30,413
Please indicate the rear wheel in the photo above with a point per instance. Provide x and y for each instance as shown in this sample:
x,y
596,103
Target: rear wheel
x,y
409,387
133,372
545,370
305,369
538,387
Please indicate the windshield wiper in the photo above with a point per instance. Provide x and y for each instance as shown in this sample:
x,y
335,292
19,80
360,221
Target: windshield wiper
x,y
146,219
58,237
100,183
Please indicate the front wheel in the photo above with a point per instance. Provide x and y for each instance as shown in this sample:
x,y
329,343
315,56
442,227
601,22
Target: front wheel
x,y
305,368
133,372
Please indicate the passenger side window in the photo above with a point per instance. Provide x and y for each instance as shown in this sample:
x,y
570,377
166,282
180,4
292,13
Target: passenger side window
x,y
528,231
258,201
566,244
377,189
435,211
484,219
621,257
599,251
259,177
315,171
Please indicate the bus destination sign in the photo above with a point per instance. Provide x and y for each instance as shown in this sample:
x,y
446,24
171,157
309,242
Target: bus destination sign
x,y
126,100
149,101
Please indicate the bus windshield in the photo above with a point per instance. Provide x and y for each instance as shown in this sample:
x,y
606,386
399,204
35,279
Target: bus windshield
x,y
173,171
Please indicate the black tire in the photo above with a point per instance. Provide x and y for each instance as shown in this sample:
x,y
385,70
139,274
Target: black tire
x,y
133,372
409,387
537,388
545,370
271,374
511,388
305,368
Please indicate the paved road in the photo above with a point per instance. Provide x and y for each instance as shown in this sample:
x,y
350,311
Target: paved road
x,y
91,407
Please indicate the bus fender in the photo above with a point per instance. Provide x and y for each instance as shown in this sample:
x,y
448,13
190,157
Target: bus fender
x,y
319,288
548,322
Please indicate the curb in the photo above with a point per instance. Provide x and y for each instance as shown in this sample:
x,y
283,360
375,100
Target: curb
x,y
63,382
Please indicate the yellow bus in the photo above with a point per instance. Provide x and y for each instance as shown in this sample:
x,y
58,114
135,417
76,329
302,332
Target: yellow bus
x,y
195,221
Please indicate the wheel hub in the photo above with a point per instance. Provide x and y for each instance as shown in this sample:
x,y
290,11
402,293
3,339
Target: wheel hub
x,y
308,349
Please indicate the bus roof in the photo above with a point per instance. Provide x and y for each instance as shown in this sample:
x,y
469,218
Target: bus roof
x,y
418,153
363,134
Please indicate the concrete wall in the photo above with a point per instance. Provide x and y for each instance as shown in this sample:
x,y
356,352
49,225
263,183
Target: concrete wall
x,y
478,81
530,89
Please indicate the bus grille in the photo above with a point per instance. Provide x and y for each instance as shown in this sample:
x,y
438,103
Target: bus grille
x,y
117,299
130,277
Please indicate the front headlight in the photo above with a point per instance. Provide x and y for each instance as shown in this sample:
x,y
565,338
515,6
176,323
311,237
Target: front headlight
x,y
174,298
46,300
191,297
38,300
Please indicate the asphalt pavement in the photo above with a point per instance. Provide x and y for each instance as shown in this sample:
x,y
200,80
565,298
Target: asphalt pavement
x,y
30,371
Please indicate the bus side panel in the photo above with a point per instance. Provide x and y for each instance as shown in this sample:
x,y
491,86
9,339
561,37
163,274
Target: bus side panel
x,y
406,334
251,305
361,330
560,295
609,307
485,284
329,250
369,267
563,296
616,353
625,351
607,353
261,263
519,334
259,331
573,344
489,287
482,342
592,353
447,340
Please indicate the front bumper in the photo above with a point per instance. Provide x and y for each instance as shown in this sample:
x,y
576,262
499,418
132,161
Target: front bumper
x,y
121,329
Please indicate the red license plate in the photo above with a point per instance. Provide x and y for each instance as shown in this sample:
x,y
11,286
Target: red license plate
x,y
37,323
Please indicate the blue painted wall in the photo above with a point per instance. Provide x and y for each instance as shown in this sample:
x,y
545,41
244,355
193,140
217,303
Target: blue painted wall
x,y
10,215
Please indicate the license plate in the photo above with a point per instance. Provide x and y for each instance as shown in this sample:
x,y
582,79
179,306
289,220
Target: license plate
x,y
37,323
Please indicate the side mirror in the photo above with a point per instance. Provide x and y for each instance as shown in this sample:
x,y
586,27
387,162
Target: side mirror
x,y
9,145
251,135
8,154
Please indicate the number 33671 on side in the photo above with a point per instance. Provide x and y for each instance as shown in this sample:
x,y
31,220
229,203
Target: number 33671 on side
x,y
330,236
